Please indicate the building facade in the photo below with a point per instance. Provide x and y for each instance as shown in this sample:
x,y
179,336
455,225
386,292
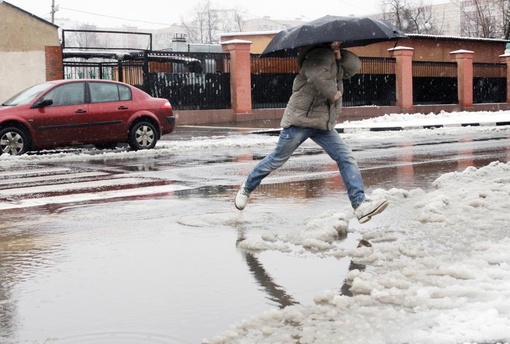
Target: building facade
x,y
23,48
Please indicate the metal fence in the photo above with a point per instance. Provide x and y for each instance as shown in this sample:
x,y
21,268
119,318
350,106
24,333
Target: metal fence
x,y
489,83
272,82
435,83
375,84
189,80
202,80
92,70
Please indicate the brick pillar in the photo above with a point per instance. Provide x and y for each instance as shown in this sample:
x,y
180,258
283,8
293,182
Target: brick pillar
x,y
506,59
404,76
54,63
464,59
240,75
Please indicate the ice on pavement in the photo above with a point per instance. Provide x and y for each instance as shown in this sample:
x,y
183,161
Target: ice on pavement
x,y
439,274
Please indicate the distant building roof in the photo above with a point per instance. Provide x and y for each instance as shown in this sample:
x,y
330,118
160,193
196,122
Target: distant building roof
x,y
411,35
252,33
442,37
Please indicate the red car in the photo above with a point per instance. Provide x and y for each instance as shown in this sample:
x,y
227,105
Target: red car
x,y
86,111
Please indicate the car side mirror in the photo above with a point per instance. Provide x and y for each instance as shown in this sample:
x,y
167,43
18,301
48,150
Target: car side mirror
x,y
43,103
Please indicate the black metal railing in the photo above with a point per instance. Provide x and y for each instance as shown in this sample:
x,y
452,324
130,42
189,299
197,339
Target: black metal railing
x,y
435,83
193,81
489,83
272,82
375,84
189,80
202,80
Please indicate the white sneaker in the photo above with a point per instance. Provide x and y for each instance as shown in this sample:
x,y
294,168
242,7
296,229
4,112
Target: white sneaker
x,y
242,197
369,208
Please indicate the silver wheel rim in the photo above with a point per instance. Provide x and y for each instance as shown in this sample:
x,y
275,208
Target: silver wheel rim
x,y
144,136
11,143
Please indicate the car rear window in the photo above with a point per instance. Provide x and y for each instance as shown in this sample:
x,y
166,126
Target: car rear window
x,y
104,92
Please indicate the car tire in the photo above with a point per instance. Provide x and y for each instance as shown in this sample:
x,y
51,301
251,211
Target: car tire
x,y
143,135
14,141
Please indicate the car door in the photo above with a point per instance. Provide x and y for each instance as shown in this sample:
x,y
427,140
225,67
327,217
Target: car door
x,y
66,120
110,109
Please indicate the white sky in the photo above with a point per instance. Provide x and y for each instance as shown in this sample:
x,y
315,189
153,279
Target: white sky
x,y
158,13
438,270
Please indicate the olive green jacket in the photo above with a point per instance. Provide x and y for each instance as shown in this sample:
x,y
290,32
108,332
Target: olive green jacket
x,y
321,75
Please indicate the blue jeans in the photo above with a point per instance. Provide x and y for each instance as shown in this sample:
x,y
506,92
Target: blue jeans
x,y
291,138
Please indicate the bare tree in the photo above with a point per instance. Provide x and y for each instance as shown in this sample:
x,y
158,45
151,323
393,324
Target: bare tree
x,y
208,20
485,18
84,39
410,16
478,18
393,11
504,15
199,27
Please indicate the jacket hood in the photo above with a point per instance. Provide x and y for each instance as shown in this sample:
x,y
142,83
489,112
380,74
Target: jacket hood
x,y
302,51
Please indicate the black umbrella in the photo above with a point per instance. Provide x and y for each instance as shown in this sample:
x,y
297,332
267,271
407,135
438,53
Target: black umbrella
x,y
352,31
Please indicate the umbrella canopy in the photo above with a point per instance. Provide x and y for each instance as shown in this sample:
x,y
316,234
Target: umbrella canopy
x,y
352,31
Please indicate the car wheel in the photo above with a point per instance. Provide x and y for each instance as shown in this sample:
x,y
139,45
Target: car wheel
x,y
13,141
143,135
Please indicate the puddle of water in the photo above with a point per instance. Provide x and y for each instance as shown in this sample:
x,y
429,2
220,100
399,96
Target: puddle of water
x,y
144,271
290,279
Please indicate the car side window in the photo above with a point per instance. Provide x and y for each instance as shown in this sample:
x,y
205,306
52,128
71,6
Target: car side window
x,y
124,92
104,92
69,94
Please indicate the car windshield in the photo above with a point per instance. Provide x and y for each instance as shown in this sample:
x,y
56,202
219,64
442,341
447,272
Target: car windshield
x,y
26,96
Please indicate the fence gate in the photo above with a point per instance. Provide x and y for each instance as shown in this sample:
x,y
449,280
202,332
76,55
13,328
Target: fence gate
x,y
188,80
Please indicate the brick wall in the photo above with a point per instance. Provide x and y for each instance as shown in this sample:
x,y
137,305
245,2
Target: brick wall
x,y
54,66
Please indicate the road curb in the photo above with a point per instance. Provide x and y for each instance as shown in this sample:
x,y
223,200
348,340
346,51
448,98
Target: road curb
x,y
347,129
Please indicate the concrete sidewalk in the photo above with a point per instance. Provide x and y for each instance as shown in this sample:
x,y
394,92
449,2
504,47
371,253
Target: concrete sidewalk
x,y
424,122
393,122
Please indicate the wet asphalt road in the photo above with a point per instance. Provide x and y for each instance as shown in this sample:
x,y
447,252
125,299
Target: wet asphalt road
x,y
164,267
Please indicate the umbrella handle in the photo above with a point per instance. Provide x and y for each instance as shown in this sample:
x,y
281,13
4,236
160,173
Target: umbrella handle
x,y
335,46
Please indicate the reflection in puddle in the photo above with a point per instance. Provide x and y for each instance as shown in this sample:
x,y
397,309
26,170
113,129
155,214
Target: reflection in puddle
x,y
275,292
119,338
290,278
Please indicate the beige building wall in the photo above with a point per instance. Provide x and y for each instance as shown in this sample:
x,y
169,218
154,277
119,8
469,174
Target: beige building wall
x,y
259,40
23,40
20,70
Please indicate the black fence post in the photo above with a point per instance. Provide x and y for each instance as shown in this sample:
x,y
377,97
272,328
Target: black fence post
x,y
121,74
145,71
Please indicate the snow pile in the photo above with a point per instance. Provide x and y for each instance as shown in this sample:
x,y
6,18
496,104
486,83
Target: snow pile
x,y
442,118
443,276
